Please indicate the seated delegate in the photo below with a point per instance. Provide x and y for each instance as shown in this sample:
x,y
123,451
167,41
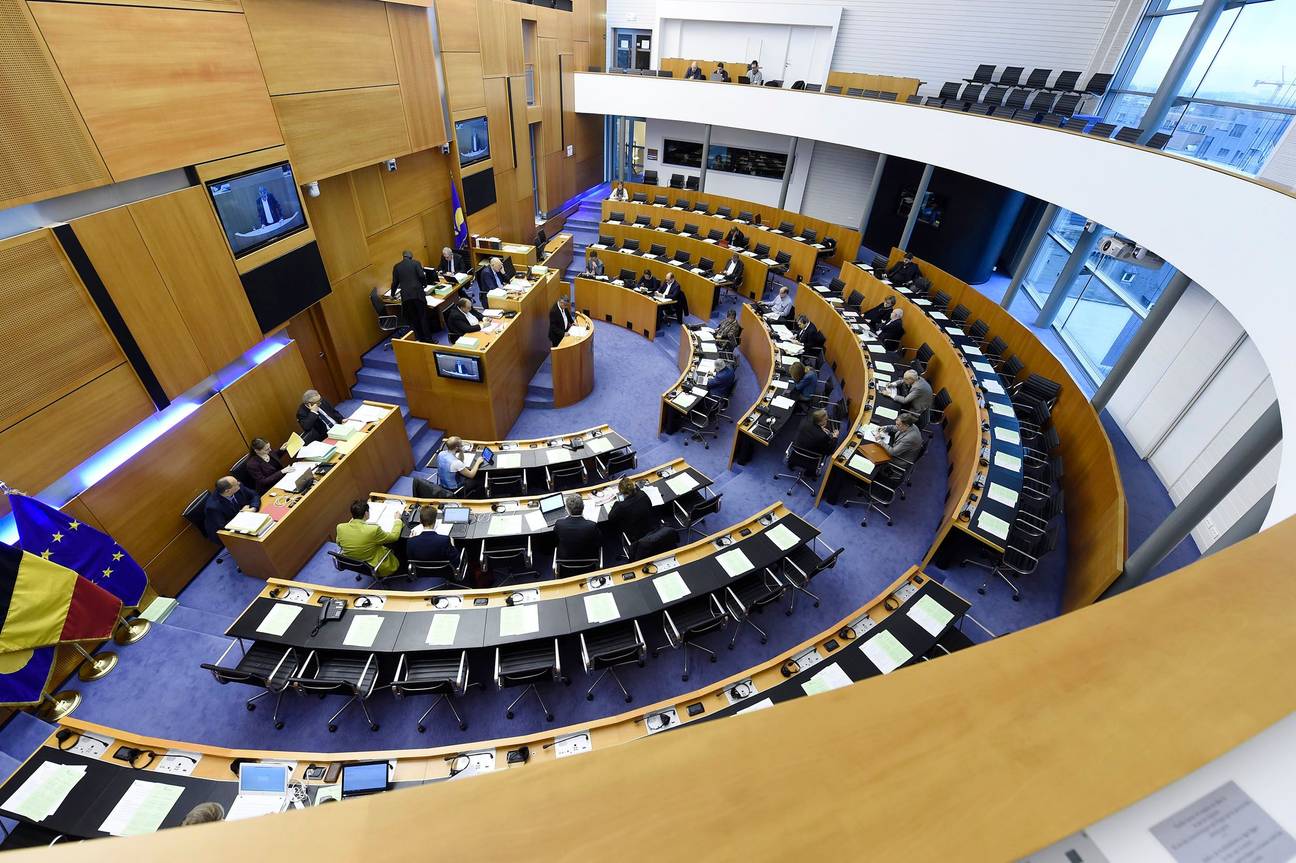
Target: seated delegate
x,y
316,416
879,314
732,274
893,330
369,543
720,74
808,334
902,440
264,465
647,282
461,320
425,545
728,333
914,393
229,499
578,537
904,272
722,382
633,514
781,307
593,266
814,435
694,72
671,290
452,472
805,382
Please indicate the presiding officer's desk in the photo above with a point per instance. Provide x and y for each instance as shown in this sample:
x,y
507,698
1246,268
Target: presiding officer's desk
x,y
372,458
508,356
832,658
701,292
557,253
441,292
592,449
755,270
573,363
608,300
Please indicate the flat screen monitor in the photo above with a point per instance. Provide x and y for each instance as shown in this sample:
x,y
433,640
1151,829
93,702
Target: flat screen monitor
x,y
258,207
474,144
367,778
459,367
285,286
685,153
551,503
455,514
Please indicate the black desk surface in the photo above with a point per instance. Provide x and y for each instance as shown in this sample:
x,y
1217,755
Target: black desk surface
x,y
480,627
538,455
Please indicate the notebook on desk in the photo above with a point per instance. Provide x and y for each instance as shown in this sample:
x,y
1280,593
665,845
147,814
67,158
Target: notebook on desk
x,y
263,790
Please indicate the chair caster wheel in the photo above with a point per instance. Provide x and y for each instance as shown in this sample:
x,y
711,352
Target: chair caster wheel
x,y
890,524
764,640
463,726
731,647
787,613
641,663
816,605
706,446
1016,598
332,727
981,590
684,677
655,653
566,681
508,715
714,658
279,725
548,717
421,729
589,696
373,727
629,698
251,707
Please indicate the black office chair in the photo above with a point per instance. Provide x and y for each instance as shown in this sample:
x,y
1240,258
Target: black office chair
x,y
723,212
618,461
1011,368
608,242
504,483
354,674
677,182
1066,82
667,225
922,357
749,596
269,667
691,230
1038,79
701,207
682,258
691,511
643,221
996,348
639,197
1011,76
607,647
979,332
1128,134
562,568
1066,104
511,555
565,475
363,569
443,674
888,96
798,568
782,261
1158,141
806,466
915,99
681,203
627,278
387,322
869,94
1101,130
527,664
702,418
1021,557
691,182
688,621
882,489
854,302
960,314
447,572
650,178
809,88
983,74
833,89
854,91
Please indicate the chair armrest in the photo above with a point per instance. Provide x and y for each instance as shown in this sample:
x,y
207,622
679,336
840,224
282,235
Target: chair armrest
x,y
400,672
585,658
365,670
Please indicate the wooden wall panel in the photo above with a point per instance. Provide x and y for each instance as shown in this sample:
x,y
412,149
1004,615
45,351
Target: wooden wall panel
x,y
497,120
122,260
352,324
46,445
371,198
175,565
160,88
464,81
438,229
336,219
53,336
45,148
411,39
311,45
420,180
264,401
140,503
385,247
189,248
457,25
493,22
333,132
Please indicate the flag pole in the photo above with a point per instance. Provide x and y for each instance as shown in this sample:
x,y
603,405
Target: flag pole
x,y
130,631
95,666
55,708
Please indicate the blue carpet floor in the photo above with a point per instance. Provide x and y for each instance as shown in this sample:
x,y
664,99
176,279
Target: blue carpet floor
x,y
159,689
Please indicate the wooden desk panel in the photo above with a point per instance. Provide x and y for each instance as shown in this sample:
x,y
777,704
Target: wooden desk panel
x,y
757,346
573,366
755,271
617,305
698,290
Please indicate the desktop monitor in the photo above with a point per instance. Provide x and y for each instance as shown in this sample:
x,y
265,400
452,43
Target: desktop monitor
x,y
258,207
369,777
473,140
509,270
458,367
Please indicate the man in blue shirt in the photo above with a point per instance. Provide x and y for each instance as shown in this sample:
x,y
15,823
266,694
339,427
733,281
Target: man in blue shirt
x,y
782,305
451,468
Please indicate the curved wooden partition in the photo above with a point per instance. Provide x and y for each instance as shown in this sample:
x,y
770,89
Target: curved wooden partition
x,y
755,271
1096,510
673,414
573,365
757,345
618,305
803,254
699,290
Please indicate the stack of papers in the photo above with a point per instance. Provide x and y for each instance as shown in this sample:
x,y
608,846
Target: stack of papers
x,y
781,403
598,445
886,652
601,607
508,460
654,495
685,400
279,618
291,474
1010,462
782,536
44,791
367,414
1002,494
385,514
578,332
317,451
930,615
142,809
363,630
343,431
861,464
831,677
670,586
993,525
886,413
251,523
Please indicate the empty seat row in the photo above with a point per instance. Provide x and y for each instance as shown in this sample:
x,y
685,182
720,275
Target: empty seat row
x,y
1038,80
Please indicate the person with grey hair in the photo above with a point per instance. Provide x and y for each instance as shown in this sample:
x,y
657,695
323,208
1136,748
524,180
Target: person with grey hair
x,y
491,277
204,813
917,395
578,537
893,330
316,416
408,284
902,439
722,380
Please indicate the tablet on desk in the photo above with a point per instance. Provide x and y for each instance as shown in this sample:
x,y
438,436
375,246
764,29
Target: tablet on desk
x,y
487,455
455,514
368,777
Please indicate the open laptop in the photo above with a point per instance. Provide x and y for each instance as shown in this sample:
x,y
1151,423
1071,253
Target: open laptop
x,y
263,790
455,514
551,503
369,777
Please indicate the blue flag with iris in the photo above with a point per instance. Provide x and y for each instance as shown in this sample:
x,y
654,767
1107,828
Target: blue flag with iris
x,y
460,223
91,554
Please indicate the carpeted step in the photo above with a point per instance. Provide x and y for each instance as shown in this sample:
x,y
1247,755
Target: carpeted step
x,y
197,620
379,374
541,394
23,734
404,485
424,444
385,393
414,426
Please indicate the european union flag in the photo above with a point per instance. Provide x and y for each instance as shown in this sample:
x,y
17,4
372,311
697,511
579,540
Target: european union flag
x,y
24,675
95,556
460,223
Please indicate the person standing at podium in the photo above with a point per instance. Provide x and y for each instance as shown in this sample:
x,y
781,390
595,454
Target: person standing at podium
x,y
560,320
268,209
409,280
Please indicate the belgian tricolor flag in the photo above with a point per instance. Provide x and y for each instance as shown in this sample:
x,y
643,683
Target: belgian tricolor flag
x,y
42,603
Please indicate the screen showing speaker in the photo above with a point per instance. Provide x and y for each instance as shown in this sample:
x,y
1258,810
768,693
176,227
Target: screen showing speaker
x,y
474,143
458,367
742,160
685,153
258,207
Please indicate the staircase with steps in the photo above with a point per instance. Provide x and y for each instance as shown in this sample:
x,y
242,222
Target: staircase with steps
x,y
583,225
379,380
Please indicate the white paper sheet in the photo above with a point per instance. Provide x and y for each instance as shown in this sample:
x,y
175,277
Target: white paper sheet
x,y
519,620
782,536
886,652
734,562
830,677
363,630
279,618
142,808
681,483
930,615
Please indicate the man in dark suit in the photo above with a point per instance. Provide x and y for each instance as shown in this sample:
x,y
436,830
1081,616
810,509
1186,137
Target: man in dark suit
x,y
408,282
578,537
736,238
229,499
593,266
671,290
879,314
267,207
428,546
490,278
732,274
560,320
447,266
633,513
648,282
316,416
893,330
722,382
814,435
461,320
904,272
808,334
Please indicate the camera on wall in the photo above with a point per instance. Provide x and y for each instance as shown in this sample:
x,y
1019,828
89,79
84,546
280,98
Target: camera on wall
x,y
312,189
391,165
445,149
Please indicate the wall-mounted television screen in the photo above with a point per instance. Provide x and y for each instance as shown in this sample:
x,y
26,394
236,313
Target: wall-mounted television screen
x,y
741,160
459,367
474,143
685,153
258,207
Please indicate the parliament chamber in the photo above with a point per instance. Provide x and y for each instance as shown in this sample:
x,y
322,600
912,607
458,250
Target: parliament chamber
x,y
404,391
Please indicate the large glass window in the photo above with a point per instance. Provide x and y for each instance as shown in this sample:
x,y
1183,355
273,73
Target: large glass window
x,y
1240,93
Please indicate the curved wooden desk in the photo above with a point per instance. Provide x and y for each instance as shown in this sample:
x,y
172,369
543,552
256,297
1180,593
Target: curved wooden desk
x,y
1096,508
573,365
702,293
902,87
695,347
619,305
593,448
847,239
508,357
755,270
372,458
762,421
